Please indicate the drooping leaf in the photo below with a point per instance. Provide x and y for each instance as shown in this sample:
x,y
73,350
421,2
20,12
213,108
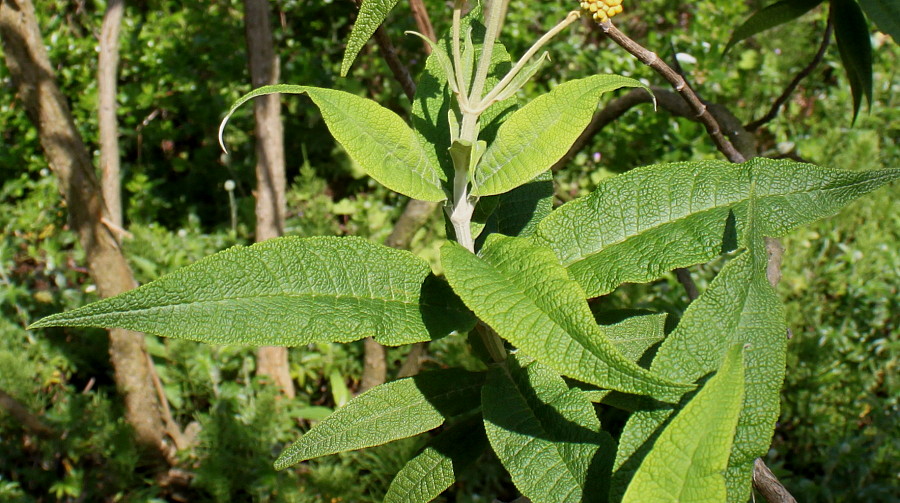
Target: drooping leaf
x,y
770,17
637,226
541,132
438,466
738,308
391,411
545,434
374,137
371,14
522,292
688,459
852,35
287,292
885,14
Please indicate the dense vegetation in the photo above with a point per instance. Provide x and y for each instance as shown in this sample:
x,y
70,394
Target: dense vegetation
x,y
183,64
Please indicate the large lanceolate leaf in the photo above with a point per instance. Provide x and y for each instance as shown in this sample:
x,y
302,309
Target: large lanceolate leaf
x,y
546,434
371,14
689,458
388,412
636,226
738,308
438,466
374,137
541,132
522,292
770,17
885,14
287,292
851,31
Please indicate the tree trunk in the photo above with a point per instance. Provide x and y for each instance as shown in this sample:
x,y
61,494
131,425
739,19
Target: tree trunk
x,y
107,67
67,155
270,178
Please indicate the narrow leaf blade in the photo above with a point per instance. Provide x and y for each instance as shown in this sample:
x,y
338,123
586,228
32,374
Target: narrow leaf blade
x,y
545,434
885,14
690,456
770,17
371,14
522,292
389,412
541,132
852,35
286,292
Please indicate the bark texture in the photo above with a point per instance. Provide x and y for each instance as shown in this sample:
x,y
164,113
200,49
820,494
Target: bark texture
x,y
107,72
270,178
67,155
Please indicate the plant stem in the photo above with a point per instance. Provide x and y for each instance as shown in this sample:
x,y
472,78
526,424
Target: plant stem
x,y
500,87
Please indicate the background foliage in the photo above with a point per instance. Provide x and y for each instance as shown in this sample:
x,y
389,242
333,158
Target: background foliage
x,y
183,63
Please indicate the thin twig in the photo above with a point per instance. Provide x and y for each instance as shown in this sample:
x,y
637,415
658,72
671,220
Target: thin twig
x,y
768,484
789,90
423,22
401,73
20,413
678,82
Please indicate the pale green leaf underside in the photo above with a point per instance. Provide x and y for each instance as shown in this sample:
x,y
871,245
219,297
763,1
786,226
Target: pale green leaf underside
x,y
286,292
389,412
545,434
438,466
371,14
688,459
522,292
636,226
541,132
377,139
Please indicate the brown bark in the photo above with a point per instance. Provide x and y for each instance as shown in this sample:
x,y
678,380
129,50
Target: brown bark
x,y
107,67
270,177
374,365
67,155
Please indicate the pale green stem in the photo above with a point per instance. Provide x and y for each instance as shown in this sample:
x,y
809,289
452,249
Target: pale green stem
x,y
461,97
488,100
492,18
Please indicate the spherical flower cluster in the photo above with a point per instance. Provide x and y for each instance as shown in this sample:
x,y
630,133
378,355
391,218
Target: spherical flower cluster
x,y
602,10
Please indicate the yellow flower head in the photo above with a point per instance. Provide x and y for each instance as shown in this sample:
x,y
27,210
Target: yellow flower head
x,y
602,10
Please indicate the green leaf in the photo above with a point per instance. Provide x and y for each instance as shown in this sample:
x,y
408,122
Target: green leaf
x,y
634,336
770,17
541,132
738,308
852,35
885,14
637,226
435,469
517,212
371,14
689,457
522,292
374,137
389,412
545,434
287,292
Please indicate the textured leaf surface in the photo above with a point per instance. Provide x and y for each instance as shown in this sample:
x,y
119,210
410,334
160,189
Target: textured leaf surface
x,y
541,132
438,466
287,292
885,14
374,137
851,31
690,456
545,434
522,292
634,336
738,308
371,14
388,412
770,17
636,226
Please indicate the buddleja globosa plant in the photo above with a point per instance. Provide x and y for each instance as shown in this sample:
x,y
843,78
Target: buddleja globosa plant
x,y
701,412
